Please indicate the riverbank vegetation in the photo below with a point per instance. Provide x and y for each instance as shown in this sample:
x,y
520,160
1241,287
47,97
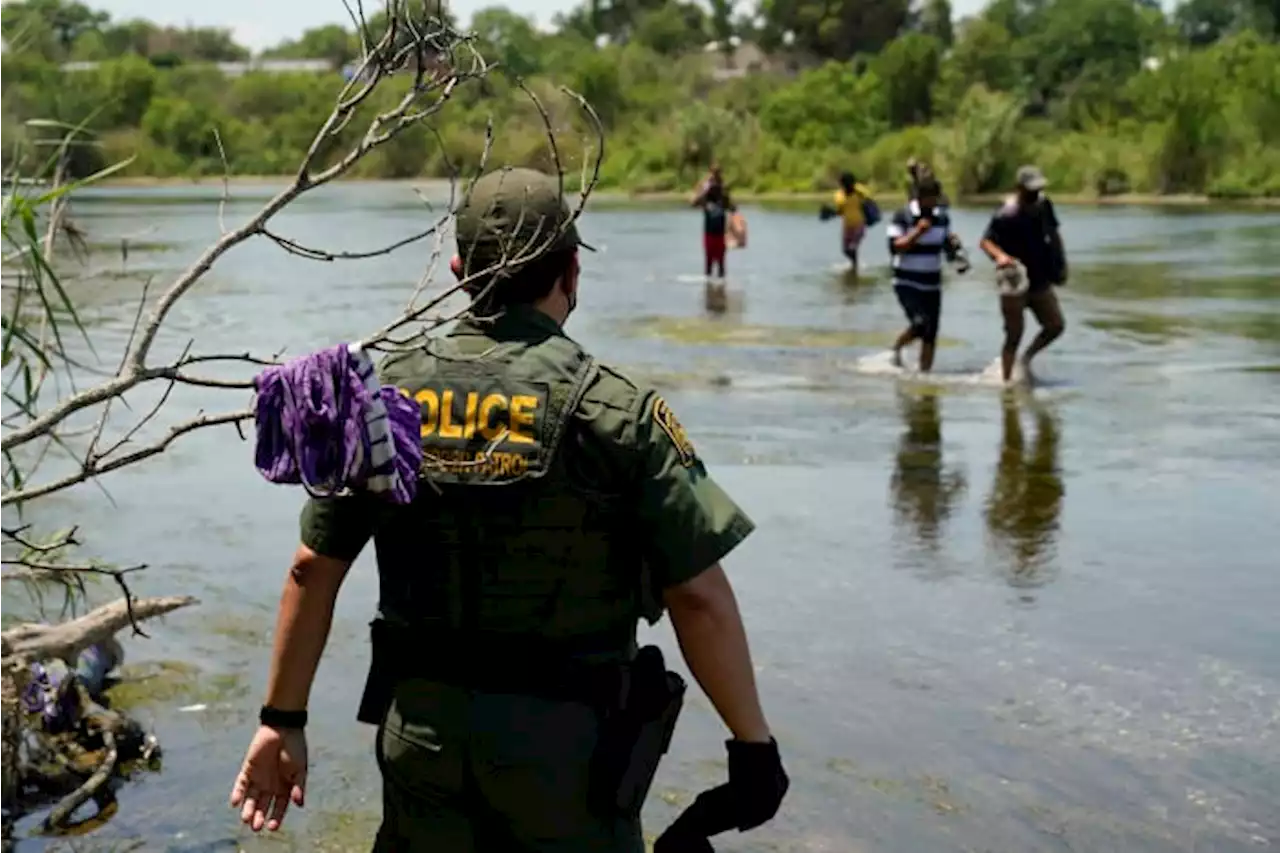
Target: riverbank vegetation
x,y
1108,96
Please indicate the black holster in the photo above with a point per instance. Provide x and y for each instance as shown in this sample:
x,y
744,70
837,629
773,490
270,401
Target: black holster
x,y
634,735
380,685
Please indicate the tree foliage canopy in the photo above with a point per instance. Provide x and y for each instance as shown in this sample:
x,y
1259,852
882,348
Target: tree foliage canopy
x,y
1108,95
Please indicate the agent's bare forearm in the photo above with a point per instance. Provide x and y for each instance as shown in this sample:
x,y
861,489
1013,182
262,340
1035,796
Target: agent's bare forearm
x,y
708,625
302,627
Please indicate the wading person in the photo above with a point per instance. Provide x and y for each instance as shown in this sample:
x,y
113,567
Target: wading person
x,y
852,202
1025,231
716,206
564,503
918,236
917,171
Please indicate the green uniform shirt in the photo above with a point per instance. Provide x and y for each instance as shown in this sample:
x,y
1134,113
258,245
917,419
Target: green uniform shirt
x,y
689,522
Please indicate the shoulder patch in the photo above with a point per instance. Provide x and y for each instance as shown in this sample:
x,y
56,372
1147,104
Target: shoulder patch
x,y
666,420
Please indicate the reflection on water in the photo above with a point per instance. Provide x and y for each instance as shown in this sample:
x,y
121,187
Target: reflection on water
x,y
925,491
1024,508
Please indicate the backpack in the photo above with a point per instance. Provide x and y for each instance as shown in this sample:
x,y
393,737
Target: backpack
x,y
870,212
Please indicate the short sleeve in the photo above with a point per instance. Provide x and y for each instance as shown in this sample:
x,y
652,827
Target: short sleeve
x,y
338,527
688,521
996,229
897,227
837,201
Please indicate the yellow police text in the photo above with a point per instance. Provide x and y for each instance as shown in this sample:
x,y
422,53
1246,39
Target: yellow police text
x,y
461,415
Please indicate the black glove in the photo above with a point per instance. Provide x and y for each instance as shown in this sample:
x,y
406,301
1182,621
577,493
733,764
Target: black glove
x,y
757,781
710,814
682,839
826,212
757,784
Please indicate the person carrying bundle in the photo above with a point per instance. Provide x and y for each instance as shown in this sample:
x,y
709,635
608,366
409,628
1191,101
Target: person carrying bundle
x,y
852,202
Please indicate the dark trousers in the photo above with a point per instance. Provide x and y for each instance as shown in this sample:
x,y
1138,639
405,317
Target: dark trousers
x,y
469,772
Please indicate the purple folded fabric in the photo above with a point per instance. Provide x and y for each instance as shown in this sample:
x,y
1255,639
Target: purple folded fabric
x,y
324,421
49,694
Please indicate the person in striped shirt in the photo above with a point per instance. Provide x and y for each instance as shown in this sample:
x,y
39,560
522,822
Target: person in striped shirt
x,y
918,237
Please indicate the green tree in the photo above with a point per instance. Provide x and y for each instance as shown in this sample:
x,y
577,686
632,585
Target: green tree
x,y
129,37
207,44
596,77
828,106
510,39
721,23
934,19
62,20
332,42
833,30
128,84
982,56
1073,35
909,67
1202,22
671,29
90,46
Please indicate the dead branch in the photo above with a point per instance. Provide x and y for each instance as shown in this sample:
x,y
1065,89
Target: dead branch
x,y
439,59
60,815
66,640
96,466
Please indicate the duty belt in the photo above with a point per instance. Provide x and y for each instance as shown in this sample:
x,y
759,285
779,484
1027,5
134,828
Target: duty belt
x,y
506,663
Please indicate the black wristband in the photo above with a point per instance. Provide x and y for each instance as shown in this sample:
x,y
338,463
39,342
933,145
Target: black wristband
x,y
277,719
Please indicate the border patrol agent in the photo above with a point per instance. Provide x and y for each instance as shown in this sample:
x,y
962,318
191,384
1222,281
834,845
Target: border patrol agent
x,y
561,503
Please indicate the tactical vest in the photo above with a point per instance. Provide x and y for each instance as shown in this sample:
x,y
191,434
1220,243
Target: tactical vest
x,y
508,541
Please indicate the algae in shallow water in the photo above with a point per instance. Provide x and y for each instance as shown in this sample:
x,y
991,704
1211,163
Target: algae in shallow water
x,y
1162,328
164,683
698,330
1150,329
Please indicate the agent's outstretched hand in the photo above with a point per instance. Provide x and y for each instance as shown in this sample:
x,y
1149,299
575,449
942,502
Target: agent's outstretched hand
x,y
273,775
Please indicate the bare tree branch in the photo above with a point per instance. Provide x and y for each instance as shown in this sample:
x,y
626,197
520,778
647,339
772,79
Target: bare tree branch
x,y
67,640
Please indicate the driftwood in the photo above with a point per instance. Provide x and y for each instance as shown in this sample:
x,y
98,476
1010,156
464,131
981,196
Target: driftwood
x,y
65,641
30,643
93,788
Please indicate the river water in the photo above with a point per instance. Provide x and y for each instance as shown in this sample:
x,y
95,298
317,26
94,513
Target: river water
x,y
982,622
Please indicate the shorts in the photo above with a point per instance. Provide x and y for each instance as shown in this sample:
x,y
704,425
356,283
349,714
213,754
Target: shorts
x,y
923,309
851,239
713,247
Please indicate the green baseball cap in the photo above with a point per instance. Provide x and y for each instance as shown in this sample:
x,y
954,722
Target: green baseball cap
x,y
514,211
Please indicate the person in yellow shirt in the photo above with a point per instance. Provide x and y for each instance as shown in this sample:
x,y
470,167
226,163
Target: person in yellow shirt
x,y
858,212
